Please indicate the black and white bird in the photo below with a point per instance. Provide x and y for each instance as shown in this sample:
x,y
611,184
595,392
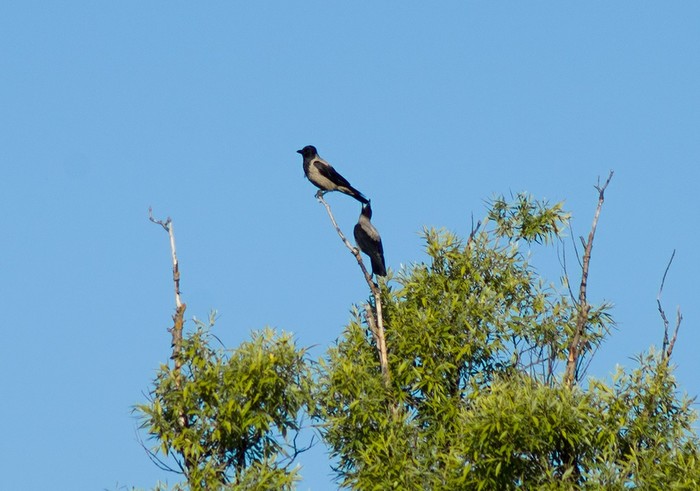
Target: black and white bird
x,y
369,241
325,177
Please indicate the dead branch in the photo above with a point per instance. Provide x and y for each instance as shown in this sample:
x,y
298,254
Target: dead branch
x,y
658,302
668,344
374,320
583,308
474,230
178,317
679,319
168,227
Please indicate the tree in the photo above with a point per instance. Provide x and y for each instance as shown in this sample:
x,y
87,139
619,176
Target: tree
x,y
243,411
463,372
486,363
228,419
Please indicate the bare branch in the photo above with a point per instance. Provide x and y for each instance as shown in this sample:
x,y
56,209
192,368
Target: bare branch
x,y
354,250
178,317
474,230
679,319
167,225
163,223
668,344
658,303
577,342
376,318
573,242
296,450
663,279
180,307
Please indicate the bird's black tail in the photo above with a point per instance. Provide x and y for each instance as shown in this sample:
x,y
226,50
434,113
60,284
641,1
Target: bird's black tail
x,y
378,267
351,191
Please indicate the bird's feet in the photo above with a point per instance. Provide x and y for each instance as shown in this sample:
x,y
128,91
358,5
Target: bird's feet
x,y
319,194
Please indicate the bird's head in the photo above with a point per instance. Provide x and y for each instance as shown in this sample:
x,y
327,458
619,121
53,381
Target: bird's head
x,y
367,210
308,151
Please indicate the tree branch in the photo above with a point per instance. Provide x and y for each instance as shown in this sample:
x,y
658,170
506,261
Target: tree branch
x,y
564,267
178,318
374,320
161,464
583,308
474,230
168,227
667,347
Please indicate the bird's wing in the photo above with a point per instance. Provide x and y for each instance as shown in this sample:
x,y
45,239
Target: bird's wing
x,y
371,244
368,238
380,247
327,171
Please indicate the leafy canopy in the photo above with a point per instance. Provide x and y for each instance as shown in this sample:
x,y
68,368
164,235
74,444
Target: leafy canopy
x,y
477,341
242,407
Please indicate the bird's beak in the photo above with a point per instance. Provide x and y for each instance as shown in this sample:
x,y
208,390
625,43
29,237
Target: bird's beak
x,y
298,151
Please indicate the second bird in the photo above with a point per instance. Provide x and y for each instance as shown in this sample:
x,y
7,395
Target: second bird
x,y
325,177
369,241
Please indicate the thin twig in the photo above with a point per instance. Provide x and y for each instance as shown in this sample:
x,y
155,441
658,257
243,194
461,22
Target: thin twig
x,y
679,319
157,460
570,374
296,450
667,346
573,242
562,262
378,330
474,230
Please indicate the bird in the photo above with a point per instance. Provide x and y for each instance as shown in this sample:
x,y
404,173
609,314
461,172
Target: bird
x,y
325,177
369,241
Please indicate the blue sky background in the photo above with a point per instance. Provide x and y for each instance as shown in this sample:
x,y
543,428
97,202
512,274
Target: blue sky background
x,y
197,110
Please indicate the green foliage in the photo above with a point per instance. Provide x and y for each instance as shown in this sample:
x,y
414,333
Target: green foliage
x,y
230,418
526,218
357,417
654,446
476,345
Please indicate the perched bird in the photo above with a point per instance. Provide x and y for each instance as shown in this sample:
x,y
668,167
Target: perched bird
x,y
325,177
369,241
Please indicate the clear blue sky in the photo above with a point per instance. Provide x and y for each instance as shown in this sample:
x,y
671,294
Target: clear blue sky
x,y
197,110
